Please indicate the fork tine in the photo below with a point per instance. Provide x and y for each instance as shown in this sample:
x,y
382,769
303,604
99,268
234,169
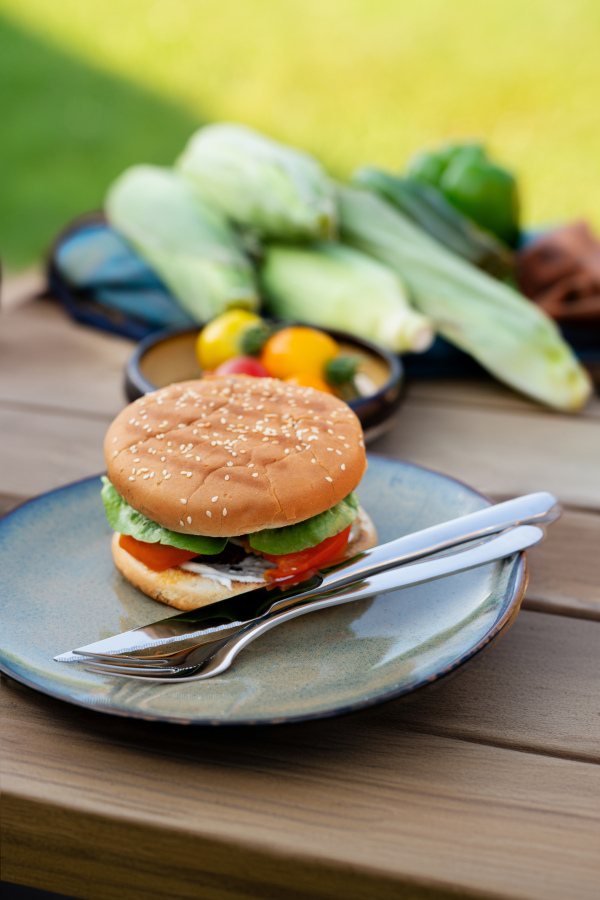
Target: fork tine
x,y
191,660
131,662
146,671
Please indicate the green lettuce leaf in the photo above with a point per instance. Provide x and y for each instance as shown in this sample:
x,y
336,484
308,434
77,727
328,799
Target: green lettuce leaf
x,y
122,518
293,538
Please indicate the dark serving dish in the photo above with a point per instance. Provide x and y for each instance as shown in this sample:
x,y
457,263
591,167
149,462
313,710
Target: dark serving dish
x,y
168,356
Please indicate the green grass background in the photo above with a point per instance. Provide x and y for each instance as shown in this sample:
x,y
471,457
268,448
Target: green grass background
x,y
90,87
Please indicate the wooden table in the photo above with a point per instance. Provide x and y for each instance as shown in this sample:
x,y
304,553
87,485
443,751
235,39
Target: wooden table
x,y
488,787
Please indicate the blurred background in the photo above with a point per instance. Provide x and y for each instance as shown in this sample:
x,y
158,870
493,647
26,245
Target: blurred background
x,y
92,87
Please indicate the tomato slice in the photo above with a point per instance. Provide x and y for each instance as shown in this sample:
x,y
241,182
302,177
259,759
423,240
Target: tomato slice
x,y
292,565
156,556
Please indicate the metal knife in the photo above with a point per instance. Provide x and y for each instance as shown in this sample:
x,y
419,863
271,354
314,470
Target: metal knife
x,y
224,618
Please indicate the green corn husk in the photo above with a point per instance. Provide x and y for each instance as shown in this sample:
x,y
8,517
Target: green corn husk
x,y
501,329
333,286
189,245
273,190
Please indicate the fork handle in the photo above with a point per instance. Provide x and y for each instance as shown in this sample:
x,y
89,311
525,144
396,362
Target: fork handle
x,y
540,508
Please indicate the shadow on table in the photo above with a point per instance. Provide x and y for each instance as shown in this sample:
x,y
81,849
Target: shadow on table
x,y
19,892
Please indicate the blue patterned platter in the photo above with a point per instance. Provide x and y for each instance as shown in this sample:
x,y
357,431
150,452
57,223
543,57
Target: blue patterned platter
x,y
61,591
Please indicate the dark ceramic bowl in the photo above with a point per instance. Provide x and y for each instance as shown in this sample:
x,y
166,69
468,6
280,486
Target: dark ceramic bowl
x,y
169,356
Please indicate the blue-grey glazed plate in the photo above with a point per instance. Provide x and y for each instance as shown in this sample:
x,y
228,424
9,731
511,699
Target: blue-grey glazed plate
x,y
61,591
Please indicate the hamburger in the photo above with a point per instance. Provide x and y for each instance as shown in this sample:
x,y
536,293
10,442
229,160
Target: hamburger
x,y
223,484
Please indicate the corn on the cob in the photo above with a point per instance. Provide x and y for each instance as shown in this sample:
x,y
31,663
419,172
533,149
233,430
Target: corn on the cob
x,y
506,333
189,245
333,286
273,190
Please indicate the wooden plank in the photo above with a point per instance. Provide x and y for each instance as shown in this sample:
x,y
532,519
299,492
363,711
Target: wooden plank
x,y
565,568
489,394
19,288
500,451
341,801
46,359
536,689
10,501
43,449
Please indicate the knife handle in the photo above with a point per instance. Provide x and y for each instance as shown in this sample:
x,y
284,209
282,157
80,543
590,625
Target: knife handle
x,y
532,509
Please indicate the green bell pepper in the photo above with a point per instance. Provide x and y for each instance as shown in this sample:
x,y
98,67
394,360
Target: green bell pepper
x,y
475,185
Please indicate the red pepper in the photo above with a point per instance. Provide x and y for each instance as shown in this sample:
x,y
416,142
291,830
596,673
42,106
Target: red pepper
x,y
242,365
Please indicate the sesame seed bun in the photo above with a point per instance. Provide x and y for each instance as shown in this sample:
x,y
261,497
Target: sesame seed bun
x,y
228,456
187,590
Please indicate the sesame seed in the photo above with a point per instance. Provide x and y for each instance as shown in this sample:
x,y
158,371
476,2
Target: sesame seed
x,y
189,519
183,500
208,513
224,511
343,466
255,474
327,478
230,463
214,499
116,453
131,478
181,521
227,478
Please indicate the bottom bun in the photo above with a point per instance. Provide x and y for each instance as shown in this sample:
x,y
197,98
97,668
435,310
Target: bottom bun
x,y
189,590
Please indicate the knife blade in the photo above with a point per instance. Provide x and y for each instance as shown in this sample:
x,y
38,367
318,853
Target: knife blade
x,y
223,618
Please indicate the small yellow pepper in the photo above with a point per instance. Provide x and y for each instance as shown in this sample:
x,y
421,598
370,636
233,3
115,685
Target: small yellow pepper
x,y
222,338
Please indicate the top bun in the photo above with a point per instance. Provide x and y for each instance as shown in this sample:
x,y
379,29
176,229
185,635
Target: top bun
x,y
226,456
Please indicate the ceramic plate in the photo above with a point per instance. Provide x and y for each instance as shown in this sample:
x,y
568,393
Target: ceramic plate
x,y
61,591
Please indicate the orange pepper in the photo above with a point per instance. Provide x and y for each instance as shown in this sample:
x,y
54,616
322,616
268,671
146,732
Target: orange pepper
x,y
298,350
305,379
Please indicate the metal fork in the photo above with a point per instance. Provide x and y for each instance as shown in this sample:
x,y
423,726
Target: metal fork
x,y
167,643
211,659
